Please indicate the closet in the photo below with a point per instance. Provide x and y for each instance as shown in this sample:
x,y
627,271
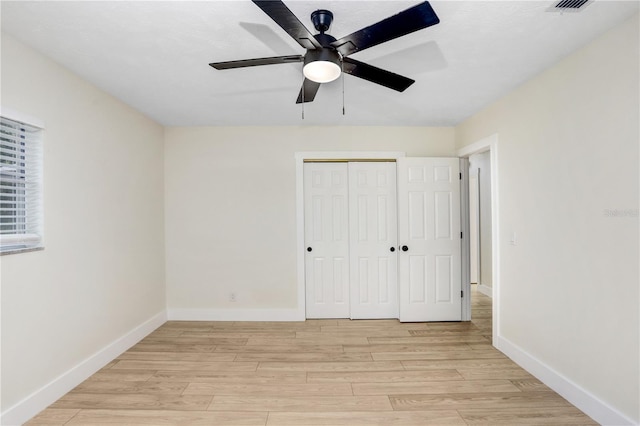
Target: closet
x,y
382,239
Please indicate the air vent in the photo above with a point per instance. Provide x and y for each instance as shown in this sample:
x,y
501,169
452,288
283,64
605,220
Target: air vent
x,y
569,5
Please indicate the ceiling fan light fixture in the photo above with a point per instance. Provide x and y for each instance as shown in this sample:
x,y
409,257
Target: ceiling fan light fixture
x,y
321,71
322,66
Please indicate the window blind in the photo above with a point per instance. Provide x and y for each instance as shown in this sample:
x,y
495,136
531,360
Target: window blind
x,y
20,185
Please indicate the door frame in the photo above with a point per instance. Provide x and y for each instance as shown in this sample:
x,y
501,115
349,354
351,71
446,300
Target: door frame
x,y
490,144
300,158
465,249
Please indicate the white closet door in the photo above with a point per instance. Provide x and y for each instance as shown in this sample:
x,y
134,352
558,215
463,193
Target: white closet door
x,y
429,237
373,238
326,240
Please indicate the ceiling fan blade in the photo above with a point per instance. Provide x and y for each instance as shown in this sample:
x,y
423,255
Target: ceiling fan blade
x,y
309,89
258,61
376,75
288,22
413,19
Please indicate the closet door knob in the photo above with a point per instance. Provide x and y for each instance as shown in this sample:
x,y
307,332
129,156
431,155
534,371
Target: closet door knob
x,y
309,249
405,248
392,249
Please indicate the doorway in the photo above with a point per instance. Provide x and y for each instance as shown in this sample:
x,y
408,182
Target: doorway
x,y
474,231
489,148
480,219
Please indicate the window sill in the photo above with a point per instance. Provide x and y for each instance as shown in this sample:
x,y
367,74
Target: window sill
x,y
20,250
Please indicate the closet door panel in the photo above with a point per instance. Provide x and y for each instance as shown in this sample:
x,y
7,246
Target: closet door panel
x,y
326,226
373,236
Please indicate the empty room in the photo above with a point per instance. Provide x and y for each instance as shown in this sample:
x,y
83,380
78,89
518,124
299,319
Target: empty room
x,y
320,212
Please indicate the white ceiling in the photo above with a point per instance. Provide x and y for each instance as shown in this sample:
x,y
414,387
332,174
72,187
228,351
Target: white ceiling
x,y
154,56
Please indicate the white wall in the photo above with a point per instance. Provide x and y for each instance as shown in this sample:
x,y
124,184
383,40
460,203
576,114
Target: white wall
x,y
568,153
480,166
101,273
231,209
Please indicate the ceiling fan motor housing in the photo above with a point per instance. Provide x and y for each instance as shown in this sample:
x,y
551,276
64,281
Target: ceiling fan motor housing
x,y
325,40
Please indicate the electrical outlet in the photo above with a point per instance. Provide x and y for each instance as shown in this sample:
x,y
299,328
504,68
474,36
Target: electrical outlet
x,y
232,297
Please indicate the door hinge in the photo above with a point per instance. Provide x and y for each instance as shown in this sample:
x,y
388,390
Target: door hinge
x,y
461,293
460,175
460,235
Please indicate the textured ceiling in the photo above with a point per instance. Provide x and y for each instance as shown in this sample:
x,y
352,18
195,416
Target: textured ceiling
x,y
154,56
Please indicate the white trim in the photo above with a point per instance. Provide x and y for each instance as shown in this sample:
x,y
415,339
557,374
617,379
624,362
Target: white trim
x,y
20,117
348,155
477,147
54,390
300,157
490,143
465,254
591,405
485,289
236,315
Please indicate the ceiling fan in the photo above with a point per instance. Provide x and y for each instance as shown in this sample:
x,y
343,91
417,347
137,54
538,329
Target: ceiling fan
x,y
327,57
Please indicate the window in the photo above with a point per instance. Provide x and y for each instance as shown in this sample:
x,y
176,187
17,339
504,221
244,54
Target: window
x,y
20,186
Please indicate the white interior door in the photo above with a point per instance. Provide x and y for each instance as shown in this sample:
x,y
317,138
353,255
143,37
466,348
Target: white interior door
x,y
429,237
326,240
373,238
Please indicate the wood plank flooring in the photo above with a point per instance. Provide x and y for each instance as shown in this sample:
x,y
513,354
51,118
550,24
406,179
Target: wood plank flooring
x,y
317,372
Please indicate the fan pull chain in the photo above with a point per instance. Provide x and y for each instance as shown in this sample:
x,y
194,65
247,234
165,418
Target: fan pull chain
x,y
303,97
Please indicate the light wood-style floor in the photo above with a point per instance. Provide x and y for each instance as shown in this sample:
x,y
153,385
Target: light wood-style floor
x,y
318,372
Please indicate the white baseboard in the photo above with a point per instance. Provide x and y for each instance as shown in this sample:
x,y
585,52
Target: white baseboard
x,y
49,393
236,315
595,408
485,289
